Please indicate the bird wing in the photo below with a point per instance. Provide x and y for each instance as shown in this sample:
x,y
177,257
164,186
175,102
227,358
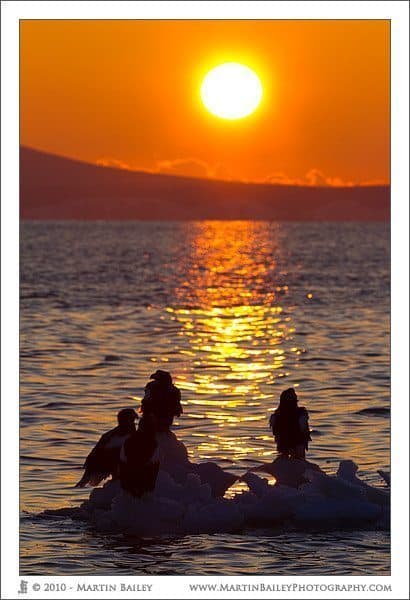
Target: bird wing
x,y
102,442
99,463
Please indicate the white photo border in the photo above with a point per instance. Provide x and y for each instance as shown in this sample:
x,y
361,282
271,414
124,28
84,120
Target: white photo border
x,y
177,586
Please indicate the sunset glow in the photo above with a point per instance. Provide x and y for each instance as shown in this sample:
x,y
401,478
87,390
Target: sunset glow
x,y
128,94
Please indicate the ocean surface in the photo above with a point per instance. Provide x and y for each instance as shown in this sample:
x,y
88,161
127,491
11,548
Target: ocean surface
x,y
238,312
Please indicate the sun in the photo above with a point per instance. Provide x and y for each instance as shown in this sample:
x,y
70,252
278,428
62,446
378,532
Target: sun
x,y
231,91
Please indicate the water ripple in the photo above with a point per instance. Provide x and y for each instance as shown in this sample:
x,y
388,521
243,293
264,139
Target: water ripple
x,y
237,311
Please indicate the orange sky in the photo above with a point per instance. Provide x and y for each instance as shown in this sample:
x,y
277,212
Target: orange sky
x,y
127,92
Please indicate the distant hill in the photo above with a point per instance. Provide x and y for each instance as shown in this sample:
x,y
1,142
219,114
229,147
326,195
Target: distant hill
x,y
53,187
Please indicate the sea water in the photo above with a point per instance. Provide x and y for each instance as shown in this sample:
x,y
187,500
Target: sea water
x,y
237,311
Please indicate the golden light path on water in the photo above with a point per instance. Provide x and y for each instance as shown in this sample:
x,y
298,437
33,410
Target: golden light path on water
x,y
235,329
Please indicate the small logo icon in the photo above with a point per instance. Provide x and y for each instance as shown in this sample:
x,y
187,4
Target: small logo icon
x,y
23,587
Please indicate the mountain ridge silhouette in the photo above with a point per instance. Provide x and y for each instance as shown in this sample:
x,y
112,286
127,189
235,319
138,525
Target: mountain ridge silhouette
x,y
60,188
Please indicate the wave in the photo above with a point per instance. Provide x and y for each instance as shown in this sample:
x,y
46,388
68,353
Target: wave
x,y
374,410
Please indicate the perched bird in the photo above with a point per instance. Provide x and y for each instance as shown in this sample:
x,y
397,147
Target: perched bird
x,y
139,463
290,426
162,399
104,458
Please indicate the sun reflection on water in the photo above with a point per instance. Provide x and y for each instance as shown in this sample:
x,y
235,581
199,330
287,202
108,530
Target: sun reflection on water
x,y
229,311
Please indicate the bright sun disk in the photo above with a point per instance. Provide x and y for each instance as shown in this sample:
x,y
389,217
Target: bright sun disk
x,y
231,91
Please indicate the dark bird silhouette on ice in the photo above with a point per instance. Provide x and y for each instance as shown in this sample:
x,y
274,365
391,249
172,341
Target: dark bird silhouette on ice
x,y
290,426
162,399
103,459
